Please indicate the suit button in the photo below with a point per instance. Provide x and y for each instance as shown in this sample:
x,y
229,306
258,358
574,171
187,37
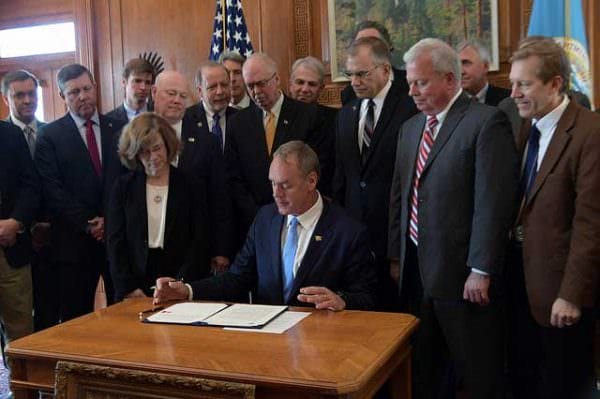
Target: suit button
x,y
363,184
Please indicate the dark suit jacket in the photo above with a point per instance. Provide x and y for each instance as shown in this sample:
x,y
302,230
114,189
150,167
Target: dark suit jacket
x,y
202,157
19,190
337,258
347,94
73,193
246,151
185,251
561,218
467,194
364,189
328,117
119,115
495,94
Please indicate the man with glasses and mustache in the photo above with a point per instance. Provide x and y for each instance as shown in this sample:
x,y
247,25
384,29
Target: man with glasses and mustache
x,y
366,132
253,135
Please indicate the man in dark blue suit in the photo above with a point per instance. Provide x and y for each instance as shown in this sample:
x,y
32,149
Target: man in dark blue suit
x,y
201,159
138,76
363,173
254,133
76,157
19,201
19,91
475,61
300,250
210,115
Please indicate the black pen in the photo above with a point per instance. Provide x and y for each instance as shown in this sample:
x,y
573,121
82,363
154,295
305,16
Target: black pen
x,y
154,309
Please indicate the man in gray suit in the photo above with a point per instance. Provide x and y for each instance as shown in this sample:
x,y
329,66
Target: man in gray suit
x,y
451,203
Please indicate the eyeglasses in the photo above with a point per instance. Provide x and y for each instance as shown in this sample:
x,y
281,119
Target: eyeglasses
x,y
360,74
261,84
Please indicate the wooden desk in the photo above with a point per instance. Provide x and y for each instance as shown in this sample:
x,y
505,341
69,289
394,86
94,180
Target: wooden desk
x,y
348,354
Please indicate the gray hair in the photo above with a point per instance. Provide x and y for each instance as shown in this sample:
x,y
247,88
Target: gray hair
x,y
232,56
19,75
312,63
482,51
308,161
443,58
269,62
208,64
379,50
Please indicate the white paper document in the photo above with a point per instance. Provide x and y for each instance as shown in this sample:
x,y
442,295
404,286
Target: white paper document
x,y
186,313
217,314
279,325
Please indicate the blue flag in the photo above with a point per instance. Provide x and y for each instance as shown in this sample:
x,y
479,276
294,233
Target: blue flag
x,y
229,30
563,20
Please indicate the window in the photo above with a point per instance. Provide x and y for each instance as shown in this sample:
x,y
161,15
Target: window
x,y
40,39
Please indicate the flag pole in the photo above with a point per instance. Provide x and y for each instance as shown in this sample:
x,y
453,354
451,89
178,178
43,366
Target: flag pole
x,y
223,7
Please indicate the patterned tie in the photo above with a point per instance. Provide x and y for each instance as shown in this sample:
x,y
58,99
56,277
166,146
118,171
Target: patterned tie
x,y
270,130
92,145
369,129
424,150
289,255
216,129
30,138
530,169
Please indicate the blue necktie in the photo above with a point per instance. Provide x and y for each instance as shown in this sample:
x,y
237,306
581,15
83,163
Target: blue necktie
x,y
530,169
216,130
289,255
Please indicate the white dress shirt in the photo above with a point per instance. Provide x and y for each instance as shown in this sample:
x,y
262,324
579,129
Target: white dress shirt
x,y
364,107
80,123
306,226
547,126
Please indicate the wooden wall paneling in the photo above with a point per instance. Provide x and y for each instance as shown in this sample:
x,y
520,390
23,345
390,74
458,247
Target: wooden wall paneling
x,y
84,33
277,34
108,52
33,12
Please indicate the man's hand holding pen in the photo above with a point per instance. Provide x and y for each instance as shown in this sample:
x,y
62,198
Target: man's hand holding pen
x,y
170,289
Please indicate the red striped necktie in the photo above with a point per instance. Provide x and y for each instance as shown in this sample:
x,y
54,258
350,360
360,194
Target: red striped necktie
x,y
92,146
424,150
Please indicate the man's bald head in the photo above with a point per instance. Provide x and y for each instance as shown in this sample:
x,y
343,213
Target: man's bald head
x,y
170,93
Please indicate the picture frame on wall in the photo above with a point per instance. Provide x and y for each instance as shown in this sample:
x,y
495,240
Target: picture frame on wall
x,y
408,21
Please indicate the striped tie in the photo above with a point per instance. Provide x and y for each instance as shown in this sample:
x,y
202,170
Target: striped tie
x,y
424,149
369,129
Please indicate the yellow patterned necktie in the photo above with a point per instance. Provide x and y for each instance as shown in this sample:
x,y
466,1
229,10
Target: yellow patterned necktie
x,y
270,130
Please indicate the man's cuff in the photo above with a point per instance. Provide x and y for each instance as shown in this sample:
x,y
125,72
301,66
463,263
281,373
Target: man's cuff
x,y
479,272
190,291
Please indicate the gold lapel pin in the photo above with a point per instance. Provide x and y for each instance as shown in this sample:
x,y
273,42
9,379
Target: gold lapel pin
x,y
318,238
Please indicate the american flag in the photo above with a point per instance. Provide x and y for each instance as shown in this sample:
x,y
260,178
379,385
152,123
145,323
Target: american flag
x,y
230,30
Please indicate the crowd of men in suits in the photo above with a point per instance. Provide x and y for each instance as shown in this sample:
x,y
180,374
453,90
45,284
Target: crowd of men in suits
x,y
418,195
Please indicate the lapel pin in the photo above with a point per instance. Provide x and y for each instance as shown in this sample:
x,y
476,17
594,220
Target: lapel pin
x,y
191,139
318,238
285,122
199,124
354,108
109,124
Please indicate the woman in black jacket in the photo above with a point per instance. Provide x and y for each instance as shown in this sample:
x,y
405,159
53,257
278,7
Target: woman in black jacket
x,y
157,222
